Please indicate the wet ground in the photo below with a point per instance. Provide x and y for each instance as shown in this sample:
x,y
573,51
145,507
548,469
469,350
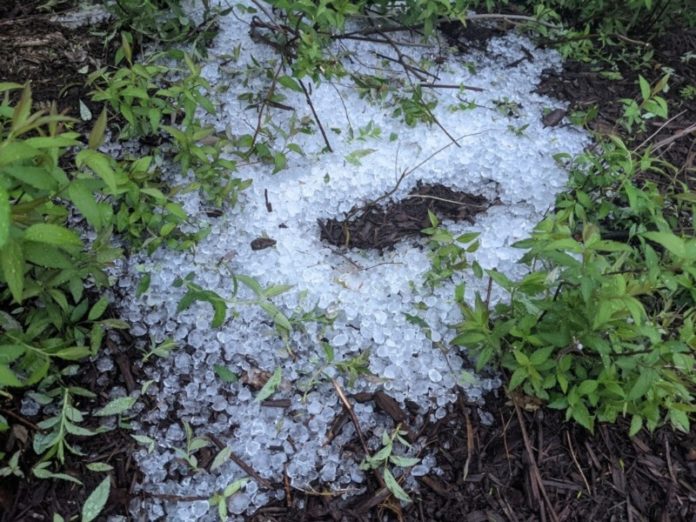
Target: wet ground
x,y
522,463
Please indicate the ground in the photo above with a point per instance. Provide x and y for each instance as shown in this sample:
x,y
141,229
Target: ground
x,y
525,463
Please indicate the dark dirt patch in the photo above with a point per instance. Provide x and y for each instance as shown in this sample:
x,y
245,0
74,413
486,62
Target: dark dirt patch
x,y
55,59
585,86
473,35
382,226
527,465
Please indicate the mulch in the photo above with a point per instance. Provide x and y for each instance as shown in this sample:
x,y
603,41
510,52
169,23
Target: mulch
x,y
527,464
586,86
54,59
380,226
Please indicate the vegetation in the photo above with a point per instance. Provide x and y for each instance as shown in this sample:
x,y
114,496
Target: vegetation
x,y
602,327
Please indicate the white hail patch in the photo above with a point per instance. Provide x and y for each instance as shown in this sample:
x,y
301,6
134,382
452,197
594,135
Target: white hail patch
x,y
368,293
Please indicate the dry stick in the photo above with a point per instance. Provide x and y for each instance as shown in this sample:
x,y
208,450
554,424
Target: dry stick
x,y
451,86
239,462
353,417
674,137
535,470
510,17
412,69
577,464
316,116
265,102
356,423
21,419
469,446
647,140
413,169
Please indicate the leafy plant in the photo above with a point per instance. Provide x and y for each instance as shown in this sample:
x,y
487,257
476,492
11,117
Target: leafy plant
x,y
386,457
447,252
651,106
603,326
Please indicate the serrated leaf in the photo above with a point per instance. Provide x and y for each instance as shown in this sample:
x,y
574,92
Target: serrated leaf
x,y
271,386
96,501
394,487
276,315
116,406
99,164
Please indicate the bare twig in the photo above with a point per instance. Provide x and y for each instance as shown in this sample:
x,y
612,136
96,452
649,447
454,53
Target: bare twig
x,y
353,417
532,463
451,86
674,137
239,462
316,116
577,464
664,125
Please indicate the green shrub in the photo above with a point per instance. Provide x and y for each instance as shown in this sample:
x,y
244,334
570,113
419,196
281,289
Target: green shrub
x,y
603,326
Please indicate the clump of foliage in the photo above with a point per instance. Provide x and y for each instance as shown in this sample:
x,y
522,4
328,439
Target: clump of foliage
x,y
603,326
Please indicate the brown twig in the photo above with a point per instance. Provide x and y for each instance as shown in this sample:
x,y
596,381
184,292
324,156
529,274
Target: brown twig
x,y
353,417
532,463
577,464
239,462
20,419
451,86
316,116
674,137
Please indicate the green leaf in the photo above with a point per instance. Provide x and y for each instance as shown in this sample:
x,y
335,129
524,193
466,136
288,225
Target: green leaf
x,y
277,316
668,240
403,462
12,263
99,467
98,309
73,353
252,283
394,487
645,90
222,457
96,135
587,387
636,425
5,217
679,419
116,407
15,151
642,385
10,352
8,378
145,441
52,235
582,416
47,256
83,199
231,489
99,164
290,83
271,385
225,374
96,500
